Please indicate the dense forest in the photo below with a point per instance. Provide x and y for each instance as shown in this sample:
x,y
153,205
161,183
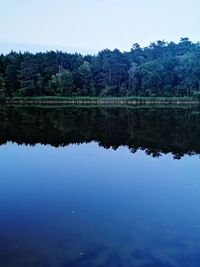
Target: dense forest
x,y
161,69
148,129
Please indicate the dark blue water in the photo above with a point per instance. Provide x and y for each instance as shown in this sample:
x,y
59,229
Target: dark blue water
x,y
83,205
99,187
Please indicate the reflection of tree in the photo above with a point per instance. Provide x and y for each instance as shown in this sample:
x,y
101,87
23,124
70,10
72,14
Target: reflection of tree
x,y
156,131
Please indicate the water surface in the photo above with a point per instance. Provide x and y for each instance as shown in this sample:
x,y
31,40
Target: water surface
x,y
94,187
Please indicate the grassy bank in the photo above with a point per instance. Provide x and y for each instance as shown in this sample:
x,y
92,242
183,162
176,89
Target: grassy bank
x,y
101,101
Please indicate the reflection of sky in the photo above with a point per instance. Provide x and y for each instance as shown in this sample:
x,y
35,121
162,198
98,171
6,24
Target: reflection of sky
x,y
109,205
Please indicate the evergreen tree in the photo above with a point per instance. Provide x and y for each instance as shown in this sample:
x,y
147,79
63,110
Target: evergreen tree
x,y
160,69
61,84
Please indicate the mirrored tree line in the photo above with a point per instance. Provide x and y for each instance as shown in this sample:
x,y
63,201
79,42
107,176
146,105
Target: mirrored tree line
x,y
148,129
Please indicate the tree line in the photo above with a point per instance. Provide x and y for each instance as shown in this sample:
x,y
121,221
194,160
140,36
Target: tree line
x,y
160,69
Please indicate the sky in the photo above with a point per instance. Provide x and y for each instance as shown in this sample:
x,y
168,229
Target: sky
x,y
88,26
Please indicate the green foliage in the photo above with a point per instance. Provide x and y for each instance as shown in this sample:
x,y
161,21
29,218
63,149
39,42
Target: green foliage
x,y
159,70
2,87
85,79
61,84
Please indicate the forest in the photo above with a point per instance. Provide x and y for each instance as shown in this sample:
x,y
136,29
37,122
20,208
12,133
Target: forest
x,y
162,69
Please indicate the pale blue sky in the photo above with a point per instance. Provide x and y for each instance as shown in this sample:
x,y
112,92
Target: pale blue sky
x,y
92,25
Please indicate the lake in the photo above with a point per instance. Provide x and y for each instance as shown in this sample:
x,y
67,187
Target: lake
x,y
99,186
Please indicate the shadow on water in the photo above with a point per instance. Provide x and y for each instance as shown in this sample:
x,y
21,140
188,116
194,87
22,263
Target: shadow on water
x,y
157,131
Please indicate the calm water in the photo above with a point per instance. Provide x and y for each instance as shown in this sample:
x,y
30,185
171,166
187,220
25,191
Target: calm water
x,y
99,187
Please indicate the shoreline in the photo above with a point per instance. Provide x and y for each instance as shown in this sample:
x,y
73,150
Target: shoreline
x,y
103,102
